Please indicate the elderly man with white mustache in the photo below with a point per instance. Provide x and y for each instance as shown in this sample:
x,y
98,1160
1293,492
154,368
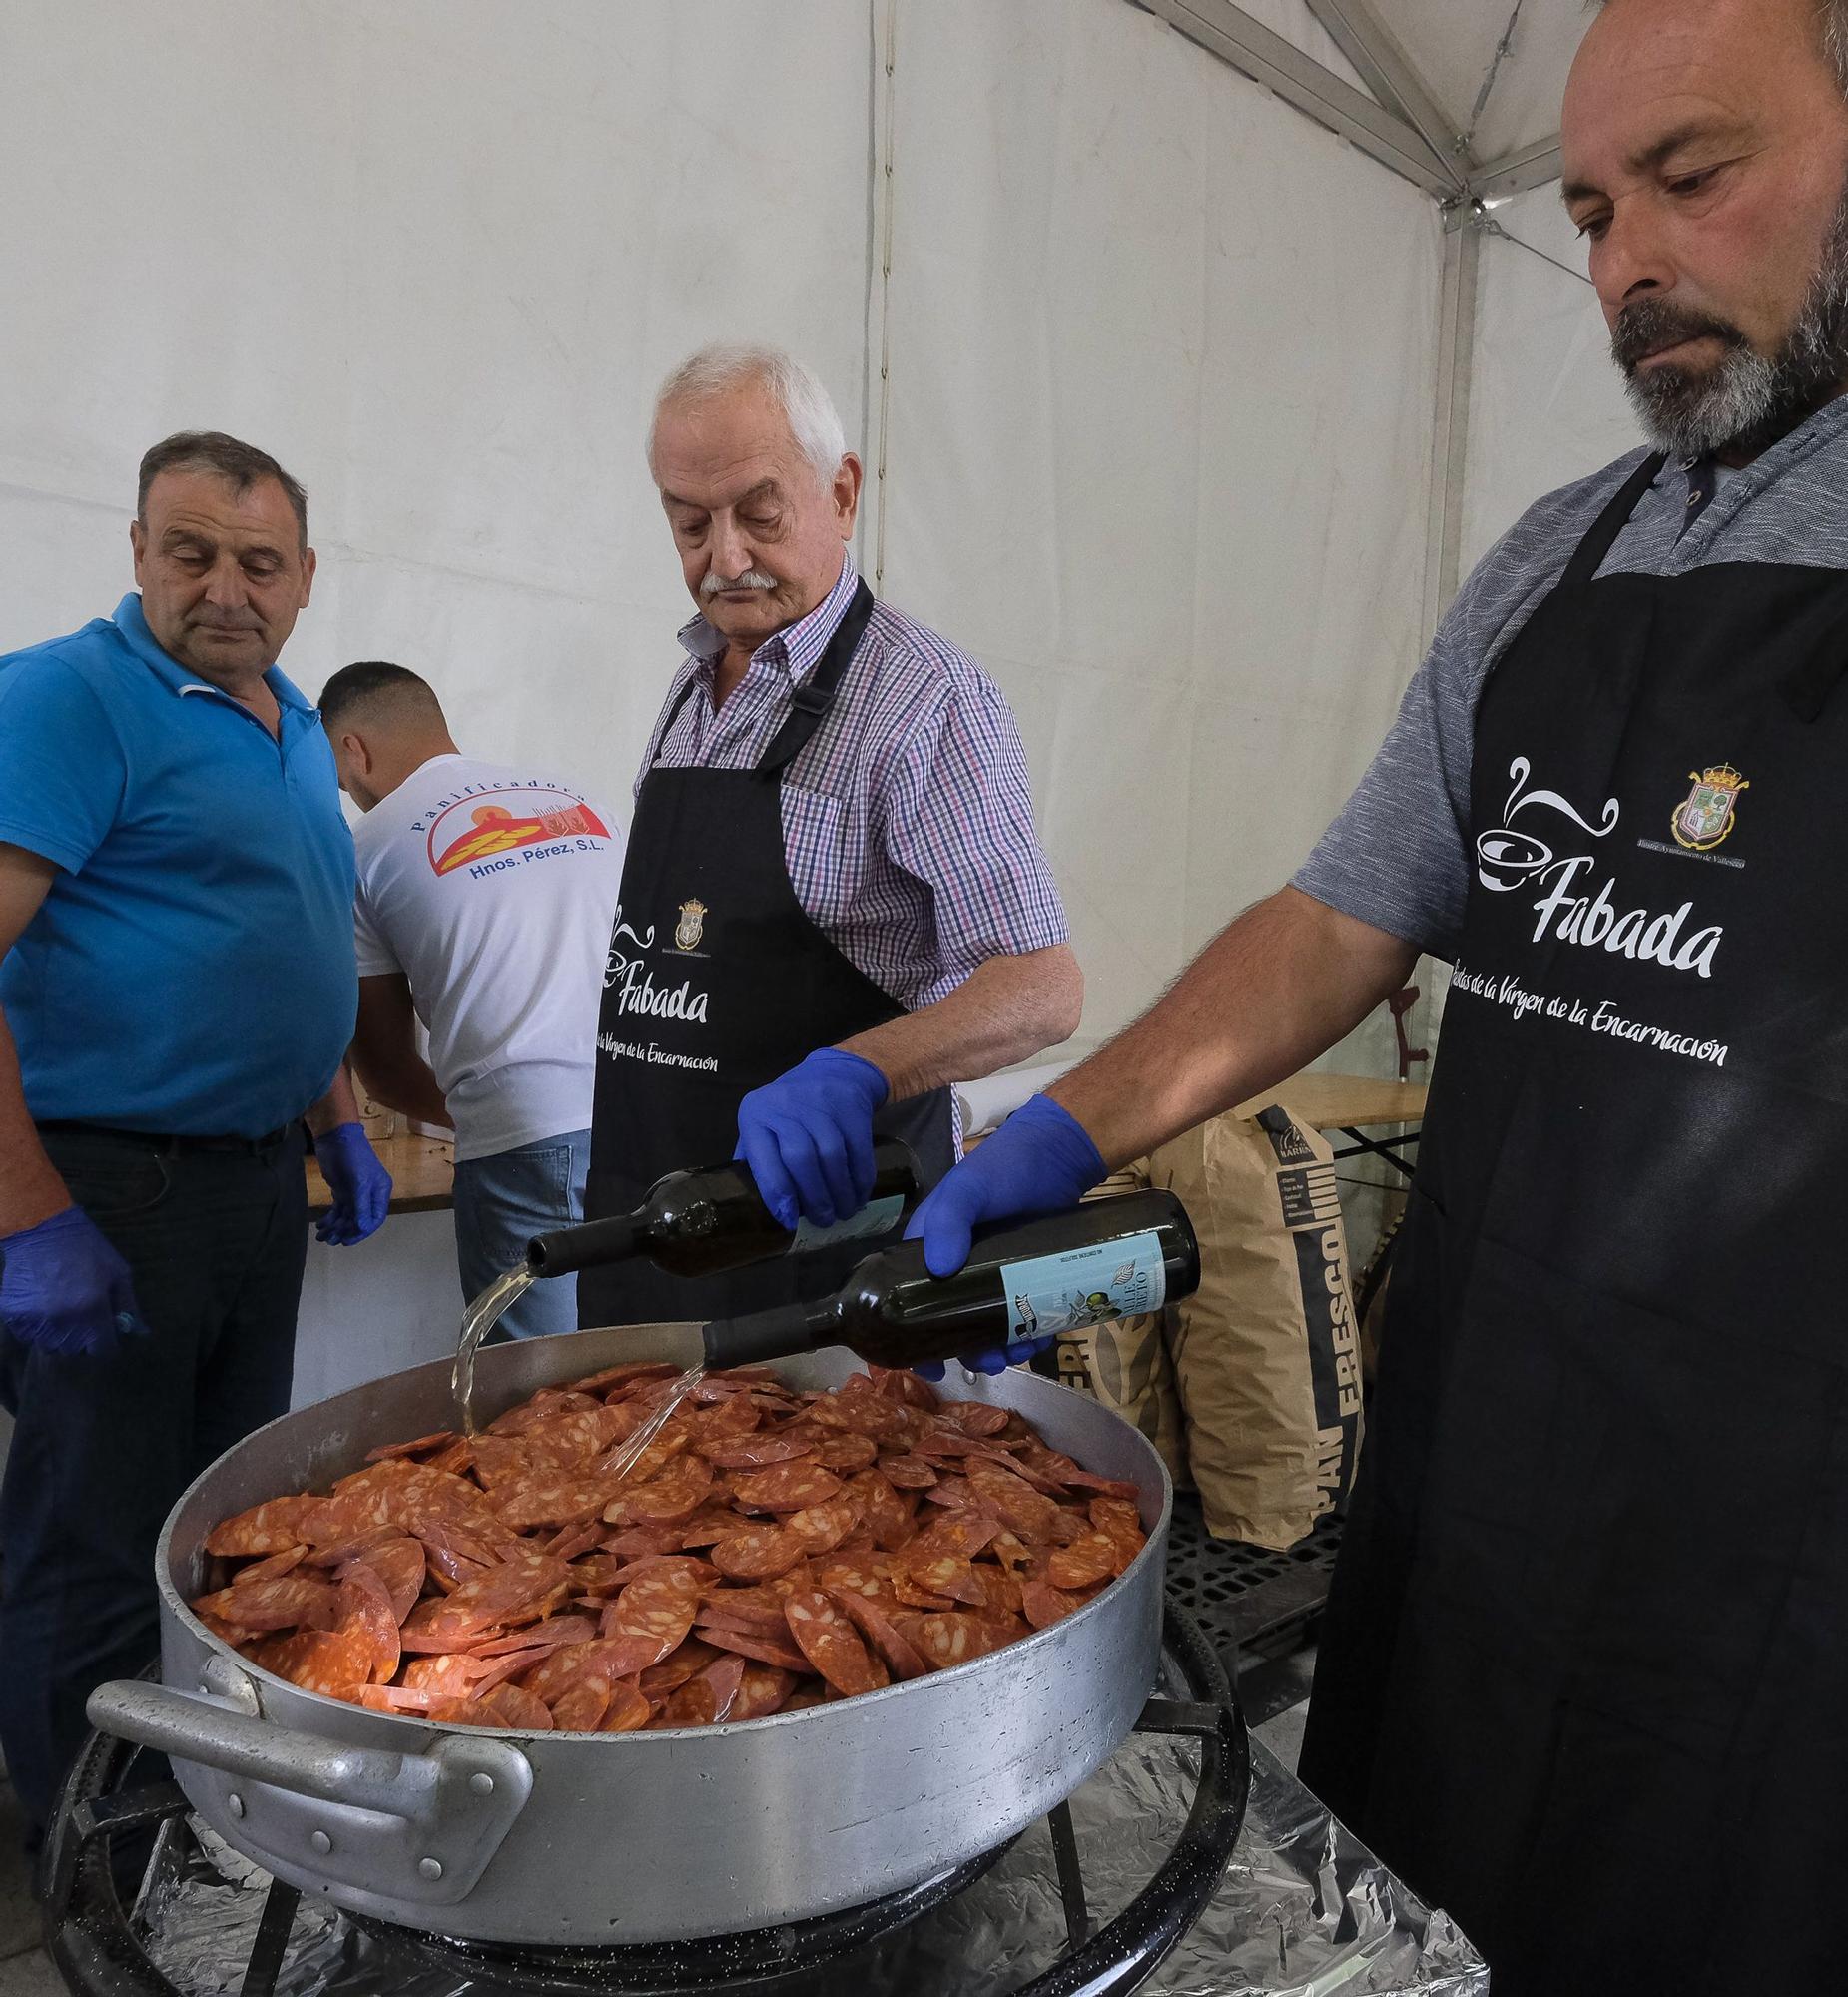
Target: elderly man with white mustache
x,y
834,904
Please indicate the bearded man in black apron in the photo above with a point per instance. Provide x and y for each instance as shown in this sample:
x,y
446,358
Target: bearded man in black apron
x,y
834,904
1585,1673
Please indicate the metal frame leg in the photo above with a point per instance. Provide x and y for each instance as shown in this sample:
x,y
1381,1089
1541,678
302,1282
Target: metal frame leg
x,y
271,1943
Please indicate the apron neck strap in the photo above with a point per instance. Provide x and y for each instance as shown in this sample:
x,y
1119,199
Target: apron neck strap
x,y
1590,555
810,702
673,714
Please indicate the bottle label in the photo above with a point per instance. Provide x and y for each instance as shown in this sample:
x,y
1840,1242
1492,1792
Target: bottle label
x,y
878,1216
1082,1286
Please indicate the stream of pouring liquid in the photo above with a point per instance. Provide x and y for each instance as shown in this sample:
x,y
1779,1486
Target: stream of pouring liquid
x,y
480,1318
623,1459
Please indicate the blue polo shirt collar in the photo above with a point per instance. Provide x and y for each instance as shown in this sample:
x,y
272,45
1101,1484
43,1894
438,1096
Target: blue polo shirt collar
x,y
132,621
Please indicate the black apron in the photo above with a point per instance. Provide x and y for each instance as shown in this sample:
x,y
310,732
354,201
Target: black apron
x,y
718,982
1584,1680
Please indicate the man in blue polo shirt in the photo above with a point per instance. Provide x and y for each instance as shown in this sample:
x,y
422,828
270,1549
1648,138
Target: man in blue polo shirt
x,y
177,992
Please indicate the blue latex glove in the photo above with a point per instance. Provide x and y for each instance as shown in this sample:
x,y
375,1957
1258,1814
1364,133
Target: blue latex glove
x,y
1039,1162
361,1186
807,1137
64,1288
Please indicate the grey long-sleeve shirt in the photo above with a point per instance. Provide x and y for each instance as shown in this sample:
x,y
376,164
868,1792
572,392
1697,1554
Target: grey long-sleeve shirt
x,y
1397,856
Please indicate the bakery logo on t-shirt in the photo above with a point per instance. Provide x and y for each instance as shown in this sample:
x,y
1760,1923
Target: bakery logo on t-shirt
x,y
1513,858
490,832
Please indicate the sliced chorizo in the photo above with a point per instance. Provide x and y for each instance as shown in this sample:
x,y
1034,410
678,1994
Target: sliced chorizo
x,y
581,1709
885,1512
693,1656
854,1536
864,1414
1089,1480
1091,1557
270,1528
366,1607
786,1487
335,1662
952,1638
763,1692
289,1602
765,1648
518,1709
637,1373
1012,1501
658,1610
901,1657
1120,1522
706,1699
744,1609
821,1527
906,1472
830,1642
628,1710
752,1452
423,1446
975,1417
872,1578
551,1634
948,1575
400,1567
552,1501
847,1451
517,1589
667,1500
760,1553
1043,1604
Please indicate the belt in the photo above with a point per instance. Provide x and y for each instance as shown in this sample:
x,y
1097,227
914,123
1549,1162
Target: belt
x,y
174,1144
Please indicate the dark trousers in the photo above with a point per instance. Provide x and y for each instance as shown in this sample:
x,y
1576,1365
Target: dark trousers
x,y
104,1446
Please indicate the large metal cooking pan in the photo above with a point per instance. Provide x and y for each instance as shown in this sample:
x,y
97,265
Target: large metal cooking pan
x,y
611,1838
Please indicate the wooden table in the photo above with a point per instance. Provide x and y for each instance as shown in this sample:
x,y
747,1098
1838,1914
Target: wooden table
x,y
1347,1102
423,1175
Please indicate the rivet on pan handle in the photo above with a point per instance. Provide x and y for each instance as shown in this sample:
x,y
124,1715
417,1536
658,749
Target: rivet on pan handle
x,y
415,1827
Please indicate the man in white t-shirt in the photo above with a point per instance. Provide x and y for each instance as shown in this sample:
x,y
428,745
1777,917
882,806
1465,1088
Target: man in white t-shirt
x,y
483,909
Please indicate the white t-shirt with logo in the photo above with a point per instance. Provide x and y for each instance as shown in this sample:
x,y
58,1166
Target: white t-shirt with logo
x,y
493,891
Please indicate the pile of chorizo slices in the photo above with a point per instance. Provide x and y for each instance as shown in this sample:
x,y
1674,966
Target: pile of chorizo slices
x,y
770,1549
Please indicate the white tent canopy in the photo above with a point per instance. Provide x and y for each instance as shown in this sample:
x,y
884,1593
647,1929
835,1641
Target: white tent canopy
x,y
1462,96
1167,391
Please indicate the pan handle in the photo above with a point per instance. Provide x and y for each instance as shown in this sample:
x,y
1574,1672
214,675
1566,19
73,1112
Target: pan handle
x,y
407,1827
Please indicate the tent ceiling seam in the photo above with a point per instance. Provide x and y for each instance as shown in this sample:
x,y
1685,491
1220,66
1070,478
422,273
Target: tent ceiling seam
x,y
1517,171
1494,69
1225,30
884,279
1393,77
1406,131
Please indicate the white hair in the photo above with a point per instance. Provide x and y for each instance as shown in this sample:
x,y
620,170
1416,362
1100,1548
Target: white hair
x,y
807,406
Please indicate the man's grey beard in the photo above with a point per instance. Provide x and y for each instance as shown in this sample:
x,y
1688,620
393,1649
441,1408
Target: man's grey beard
x,y
1748,401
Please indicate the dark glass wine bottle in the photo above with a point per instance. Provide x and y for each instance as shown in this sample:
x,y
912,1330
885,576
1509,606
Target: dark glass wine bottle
x,y
1024,1279
701,1224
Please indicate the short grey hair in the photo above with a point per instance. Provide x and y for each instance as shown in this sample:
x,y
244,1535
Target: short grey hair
x,y
1832,18
797,390
240,464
